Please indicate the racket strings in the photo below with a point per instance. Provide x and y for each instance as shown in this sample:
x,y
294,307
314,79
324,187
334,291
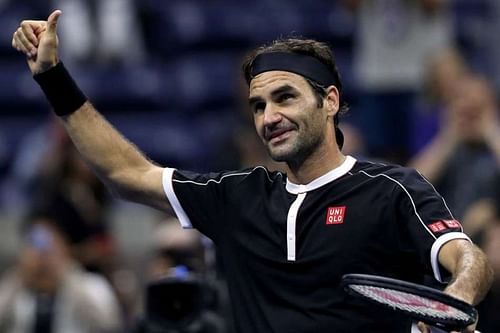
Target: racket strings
x,y
411,303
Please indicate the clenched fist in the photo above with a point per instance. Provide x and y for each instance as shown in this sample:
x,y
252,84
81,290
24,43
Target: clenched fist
x,y
38,41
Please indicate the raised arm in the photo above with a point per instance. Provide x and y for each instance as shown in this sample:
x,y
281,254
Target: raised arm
x,y
431,161
116,161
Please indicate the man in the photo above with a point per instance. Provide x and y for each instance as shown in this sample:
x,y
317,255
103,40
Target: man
x,y
394,41
463,158
48,291
285,240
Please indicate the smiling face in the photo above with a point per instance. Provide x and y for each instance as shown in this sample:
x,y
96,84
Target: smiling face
x,y
287,117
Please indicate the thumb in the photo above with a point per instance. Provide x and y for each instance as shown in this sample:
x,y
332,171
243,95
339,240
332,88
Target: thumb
x,y
52,21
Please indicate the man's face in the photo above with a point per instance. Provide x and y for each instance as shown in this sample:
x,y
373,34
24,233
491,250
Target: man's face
x,y
471,107
286,115
44,258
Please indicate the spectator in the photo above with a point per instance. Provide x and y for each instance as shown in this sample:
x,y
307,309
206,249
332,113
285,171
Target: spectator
x,y
63,181
395,39
487,231
464,157
443,73
48,291
445,69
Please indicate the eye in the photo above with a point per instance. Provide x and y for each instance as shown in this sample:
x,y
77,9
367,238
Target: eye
x,y
259,107
285,97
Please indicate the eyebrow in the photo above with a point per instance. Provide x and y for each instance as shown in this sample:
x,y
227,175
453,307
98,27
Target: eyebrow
x,y
254,100
276,92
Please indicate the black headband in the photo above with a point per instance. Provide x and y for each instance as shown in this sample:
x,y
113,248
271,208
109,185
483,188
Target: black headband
x,y
305,65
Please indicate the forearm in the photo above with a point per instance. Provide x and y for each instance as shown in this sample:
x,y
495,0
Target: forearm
x,y
114,159
472,275
432,160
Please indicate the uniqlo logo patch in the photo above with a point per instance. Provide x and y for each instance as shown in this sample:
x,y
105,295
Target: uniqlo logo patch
x,y
452,223
437,226
335,215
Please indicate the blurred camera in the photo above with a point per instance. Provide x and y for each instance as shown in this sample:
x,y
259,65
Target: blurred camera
x,y
180,305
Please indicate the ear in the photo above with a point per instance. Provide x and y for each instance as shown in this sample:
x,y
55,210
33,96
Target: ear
x,y
332,100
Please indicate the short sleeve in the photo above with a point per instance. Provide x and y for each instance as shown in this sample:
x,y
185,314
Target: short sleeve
x,y
429,221
197,199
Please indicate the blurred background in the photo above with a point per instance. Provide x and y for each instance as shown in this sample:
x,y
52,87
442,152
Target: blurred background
x,y
422,78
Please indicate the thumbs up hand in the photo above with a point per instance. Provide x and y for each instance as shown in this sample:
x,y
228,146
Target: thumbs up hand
x,y
38,41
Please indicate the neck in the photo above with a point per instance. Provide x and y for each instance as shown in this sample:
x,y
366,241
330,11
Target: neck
x,y
323,160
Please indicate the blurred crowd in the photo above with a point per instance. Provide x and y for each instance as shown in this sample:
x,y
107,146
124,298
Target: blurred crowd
x,y
422,78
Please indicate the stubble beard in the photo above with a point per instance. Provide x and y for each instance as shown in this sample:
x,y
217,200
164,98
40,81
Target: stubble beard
x,y
297,151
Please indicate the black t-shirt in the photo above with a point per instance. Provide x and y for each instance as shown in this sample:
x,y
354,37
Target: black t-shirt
x,y
286,246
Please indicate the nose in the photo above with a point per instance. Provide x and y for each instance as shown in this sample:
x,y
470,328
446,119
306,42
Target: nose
x,y
271,115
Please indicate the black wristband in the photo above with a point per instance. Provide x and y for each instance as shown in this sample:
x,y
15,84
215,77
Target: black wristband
x,y
61,90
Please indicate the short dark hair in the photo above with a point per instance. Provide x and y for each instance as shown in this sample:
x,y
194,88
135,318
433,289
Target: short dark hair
x,y
62,214
310,47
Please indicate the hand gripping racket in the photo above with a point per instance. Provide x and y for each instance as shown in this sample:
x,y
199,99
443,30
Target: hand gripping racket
x,y
421,303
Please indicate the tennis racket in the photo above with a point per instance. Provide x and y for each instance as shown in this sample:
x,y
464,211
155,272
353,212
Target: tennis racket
x,y
421,303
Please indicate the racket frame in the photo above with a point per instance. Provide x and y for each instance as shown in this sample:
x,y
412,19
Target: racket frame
x,y
414,289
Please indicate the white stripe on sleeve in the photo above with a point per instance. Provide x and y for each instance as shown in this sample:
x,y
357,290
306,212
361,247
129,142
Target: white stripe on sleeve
x,y
168,174
436,247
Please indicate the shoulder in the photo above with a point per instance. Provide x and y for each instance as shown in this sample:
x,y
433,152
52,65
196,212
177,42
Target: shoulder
x,y
391,174
253,173
393,171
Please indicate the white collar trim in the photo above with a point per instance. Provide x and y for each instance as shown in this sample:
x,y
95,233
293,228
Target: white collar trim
x,y
328,177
